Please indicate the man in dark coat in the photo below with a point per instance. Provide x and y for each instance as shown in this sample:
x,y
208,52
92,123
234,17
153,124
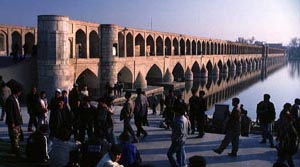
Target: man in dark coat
x,y
140,110
202,116
60,119
266,115
194,109
32,102
14,119
233,130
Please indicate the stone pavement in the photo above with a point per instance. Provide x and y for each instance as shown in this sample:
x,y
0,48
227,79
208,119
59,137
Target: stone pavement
x,y
154,147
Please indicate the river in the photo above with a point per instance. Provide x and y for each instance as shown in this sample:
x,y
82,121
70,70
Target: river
x,y
283,84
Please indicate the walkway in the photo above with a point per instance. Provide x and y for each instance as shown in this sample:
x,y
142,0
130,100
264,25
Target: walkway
x,y
154,147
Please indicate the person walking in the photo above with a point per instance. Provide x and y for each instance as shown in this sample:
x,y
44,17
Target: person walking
x,y
194,109
153,103
33,102
126,114
168,113
14,119
176,153
233,128
265,117
201,118
140,111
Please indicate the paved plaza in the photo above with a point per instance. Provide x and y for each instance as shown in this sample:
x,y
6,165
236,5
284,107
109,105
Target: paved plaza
x,y
154,147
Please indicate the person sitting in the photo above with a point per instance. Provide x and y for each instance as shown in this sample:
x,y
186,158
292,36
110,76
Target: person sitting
x,y
111,158
37,148
130,154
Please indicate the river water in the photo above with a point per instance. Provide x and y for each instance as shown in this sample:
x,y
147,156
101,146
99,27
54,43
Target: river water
x,y
283,84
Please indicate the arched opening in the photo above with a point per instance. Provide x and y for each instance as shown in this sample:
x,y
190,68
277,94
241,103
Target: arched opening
x,y
139,47
121,44
150,46
3,41
219,49
94,45
90,79
208,52
159,46
178,73
188,47
129,45
209,68
154,75
16,44
182,47
194,47
29,42
125,77
203,48
168,46
212,48
175,46
199,48
81,44
196,70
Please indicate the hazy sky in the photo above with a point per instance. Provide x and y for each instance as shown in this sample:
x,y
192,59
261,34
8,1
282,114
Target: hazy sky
x,y
266,20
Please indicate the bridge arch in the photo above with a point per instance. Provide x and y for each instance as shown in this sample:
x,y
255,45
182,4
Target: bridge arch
x,y
129,45
199,52
194,48
178,73
16,41
121,44
139,45
203,48
150,46
90,79
168,46
208,51
154,75
80,40
196,70
125,76
159,46
182,48
176,46
94,44
29,42
188,47
3,41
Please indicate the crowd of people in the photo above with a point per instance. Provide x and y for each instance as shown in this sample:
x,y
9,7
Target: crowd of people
x,y
71,131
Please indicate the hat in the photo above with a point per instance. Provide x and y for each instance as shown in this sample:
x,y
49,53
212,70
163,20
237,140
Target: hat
x,y
58,90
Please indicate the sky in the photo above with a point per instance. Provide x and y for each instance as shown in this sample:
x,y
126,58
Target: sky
x,y
272,21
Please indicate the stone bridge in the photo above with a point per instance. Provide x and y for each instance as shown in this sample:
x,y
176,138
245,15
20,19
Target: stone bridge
x,y
100,54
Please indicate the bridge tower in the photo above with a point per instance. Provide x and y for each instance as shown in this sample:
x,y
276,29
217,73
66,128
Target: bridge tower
x,y
109,50
53,53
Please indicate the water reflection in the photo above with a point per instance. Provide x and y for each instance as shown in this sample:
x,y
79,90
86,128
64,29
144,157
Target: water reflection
x,y
226,86
294,69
